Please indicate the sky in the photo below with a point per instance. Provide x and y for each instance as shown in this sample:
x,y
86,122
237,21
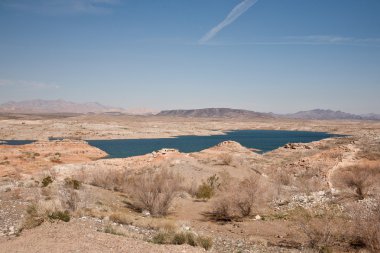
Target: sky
x,y
277,56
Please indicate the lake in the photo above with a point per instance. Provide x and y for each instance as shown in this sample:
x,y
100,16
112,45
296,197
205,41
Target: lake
x,y
264,140
15,142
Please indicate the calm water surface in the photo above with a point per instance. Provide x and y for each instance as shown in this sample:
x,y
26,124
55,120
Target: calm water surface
x,y
264,140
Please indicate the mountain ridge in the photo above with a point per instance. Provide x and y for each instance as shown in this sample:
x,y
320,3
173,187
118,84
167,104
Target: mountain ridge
x,y
62,106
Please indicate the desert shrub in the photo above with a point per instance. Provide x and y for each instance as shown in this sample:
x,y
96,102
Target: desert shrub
x,y
191,239
161,238
73,183
154,192
69,199
179,239
204,191
321,226
371,151
205,242
32,218
114,180
109,229
46,181
238,200
366,220
359,180
121,218
207,189
225,159
60,215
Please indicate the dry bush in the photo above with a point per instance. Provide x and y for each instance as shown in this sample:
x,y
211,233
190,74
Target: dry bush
x,y
32,218
238,200
121,218
283,177
69,198
207,189
154,192
179,238
114,180
360,180
320,227
366,220
370,151
225,159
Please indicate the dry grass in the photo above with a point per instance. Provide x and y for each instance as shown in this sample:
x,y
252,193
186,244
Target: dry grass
x,y
114,180
319,227
238,199
225,159
154,192
121,218
179,238
366,220
359,181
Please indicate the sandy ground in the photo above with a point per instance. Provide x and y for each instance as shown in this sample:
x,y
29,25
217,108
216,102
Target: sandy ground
x,y
128,127
315,163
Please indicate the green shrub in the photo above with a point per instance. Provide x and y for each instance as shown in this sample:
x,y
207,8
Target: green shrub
x,y
46,181
73,183
179,239
205,242
59,215
161,238
207,189
190,239
32,219
111,230
204,191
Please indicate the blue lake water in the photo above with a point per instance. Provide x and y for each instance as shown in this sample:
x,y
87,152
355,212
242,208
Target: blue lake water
x,y
264,140
15,142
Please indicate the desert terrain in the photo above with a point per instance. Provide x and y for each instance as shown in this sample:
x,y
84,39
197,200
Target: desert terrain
x,y
66,196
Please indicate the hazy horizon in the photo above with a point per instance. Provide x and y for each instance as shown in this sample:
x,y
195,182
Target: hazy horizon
x,y
266,55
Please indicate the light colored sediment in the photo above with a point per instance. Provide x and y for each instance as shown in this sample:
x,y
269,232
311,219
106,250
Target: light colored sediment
x,y
42,155
309,168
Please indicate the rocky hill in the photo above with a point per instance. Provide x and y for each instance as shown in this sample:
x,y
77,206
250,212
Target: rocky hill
x,y
215,113
324,114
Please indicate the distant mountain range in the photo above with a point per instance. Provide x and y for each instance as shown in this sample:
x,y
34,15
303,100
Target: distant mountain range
x,y
62,106
318,114
215,113
54,106
322,114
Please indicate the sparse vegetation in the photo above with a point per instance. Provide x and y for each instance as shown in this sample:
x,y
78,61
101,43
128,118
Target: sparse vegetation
x,y
366,220
46,181
225,159
155,192
114,180
109,229
32,218
207,189
179,238
60,215
237,200
359,180
73,183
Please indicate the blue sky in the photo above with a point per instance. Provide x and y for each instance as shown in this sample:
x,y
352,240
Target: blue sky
x,y
266,55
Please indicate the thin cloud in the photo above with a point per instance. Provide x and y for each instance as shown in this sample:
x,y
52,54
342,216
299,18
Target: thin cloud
x,y
61,6
311,40
236,12
26,84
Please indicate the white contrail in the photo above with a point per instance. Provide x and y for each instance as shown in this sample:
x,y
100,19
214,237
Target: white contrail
x,y
231,17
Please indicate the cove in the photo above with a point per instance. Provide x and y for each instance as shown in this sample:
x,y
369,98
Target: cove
x,y
264,140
